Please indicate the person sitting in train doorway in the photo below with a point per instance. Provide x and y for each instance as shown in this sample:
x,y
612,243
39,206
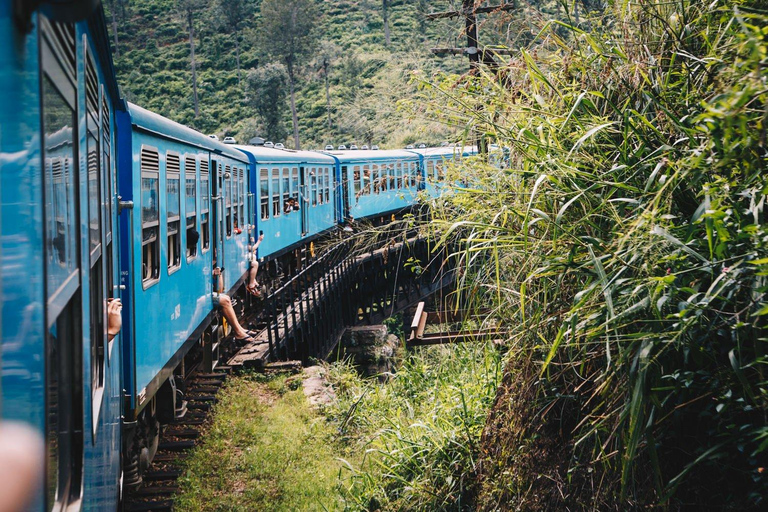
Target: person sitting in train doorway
x,y
253,259
224,302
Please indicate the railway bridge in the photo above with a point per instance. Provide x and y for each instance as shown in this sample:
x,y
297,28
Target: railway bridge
x,y
305,317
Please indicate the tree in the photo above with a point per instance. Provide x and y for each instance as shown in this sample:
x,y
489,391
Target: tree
x,y
233,14
385,15
287,34
266,86
326,54
188,8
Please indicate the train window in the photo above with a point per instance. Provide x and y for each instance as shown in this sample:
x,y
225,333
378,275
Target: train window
x,y
173,210
366,181
356,178
295,183
440,171
413,174
430,170
62,218
205,205
327,185
276,192
190,205
109,193
150,216
241,201
228,200
96,299
264,193
376,178
392,176
286,188
313,185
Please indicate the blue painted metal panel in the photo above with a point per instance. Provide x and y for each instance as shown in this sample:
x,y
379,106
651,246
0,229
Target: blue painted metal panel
x,y
22,260
22,322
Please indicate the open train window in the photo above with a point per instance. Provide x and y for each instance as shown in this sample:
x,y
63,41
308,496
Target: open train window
x,y
150,216
295,184
228,200
430,170
264,193
97,298
62,219
286,188
205,205
313,185
173,209
241,201
356,178
392,176
275,192
440,171
327,185
190,205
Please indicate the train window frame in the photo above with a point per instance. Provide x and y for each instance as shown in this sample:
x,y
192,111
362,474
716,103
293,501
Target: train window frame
x,y
356,180
264,199
286,183
63,304
109,178
313,186
205,205
241,181
190,214
327,185
274,183
227,201
150,276
173,222
295,184
97,293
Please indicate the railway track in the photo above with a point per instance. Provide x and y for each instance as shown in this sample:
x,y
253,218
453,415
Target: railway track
x,y
160,481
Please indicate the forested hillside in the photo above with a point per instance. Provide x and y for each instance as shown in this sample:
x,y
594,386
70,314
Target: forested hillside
x,y
366,76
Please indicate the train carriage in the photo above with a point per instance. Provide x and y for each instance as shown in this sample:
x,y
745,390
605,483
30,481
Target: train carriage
x,y
58,262
295,193
434,161
377,183
188,200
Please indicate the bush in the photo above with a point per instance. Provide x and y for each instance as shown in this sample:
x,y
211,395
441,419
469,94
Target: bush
x,y
625,245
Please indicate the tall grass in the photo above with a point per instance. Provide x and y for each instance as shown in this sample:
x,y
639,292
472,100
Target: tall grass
x,y
420,432
624,243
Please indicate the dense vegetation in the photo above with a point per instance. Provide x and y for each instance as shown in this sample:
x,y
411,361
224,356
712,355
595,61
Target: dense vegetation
x,y
420,432
365,77
624,245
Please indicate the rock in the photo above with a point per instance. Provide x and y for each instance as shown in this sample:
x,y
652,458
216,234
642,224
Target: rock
x,y
372,349
316,388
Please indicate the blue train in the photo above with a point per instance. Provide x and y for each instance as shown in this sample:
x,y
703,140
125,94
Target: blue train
x,y
103,200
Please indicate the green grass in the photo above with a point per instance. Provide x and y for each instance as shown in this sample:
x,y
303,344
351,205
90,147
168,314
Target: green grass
x,y
419,433
266,450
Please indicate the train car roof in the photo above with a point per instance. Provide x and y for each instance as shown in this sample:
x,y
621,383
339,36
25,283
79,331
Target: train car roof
x,y
370,155
264,155
163,127
446,151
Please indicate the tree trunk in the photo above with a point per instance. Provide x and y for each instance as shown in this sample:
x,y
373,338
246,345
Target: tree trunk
x,y
114,28
385,13
328,95
194,63
297,146
237,55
